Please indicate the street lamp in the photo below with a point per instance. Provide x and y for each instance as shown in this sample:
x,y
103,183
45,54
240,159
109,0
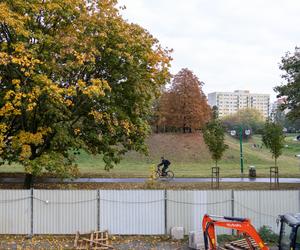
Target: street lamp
x,y
247,132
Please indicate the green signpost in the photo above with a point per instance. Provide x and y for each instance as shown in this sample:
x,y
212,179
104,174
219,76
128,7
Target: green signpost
x,y
241,150
240,133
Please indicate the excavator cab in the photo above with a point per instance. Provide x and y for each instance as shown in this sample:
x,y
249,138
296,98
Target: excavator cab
x,y
289,238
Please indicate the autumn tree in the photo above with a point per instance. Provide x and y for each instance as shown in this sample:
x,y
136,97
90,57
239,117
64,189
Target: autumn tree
x,y
74,76
291,89
162,112
184,105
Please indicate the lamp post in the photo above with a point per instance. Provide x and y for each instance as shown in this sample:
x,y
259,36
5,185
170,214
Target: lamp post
x,y
247,132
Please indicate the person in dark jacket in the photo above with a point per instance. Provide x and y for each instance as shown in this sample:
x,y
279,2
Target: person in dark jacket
x,y
165,163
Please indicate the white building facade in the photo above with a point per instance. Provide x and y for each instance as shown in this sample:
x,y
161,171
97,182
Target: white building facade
x,y
230,102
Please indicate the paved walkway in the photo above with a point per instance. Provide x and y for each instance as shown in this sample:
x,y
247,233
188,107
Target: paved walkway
x,y
141,180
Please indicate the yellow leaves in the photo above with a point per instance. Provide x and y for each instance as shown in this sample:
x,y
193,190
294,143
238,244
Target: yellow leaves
x,y
15,60
19,47
15,99
81,84
105,85
45,85
24,139
95,88
103,35
126,126
77,131
16,81
69,103
31,106
3,129
96,82
9,109
30,138
22,58
54,88
98,116
9,94
70,91
4,58
25,152
152,173
81,58
13,19
120,45
92,91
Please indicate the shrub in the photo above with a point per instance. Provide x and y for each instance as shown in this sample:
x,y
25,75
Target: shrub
x,y
268,235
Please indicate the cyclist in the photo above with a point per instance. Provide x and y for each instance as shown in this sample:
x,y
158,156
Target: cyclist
x,y
165,163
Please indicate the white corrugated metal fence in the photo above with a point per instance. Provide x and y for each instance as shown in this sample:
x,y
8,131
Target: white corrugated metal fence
x,y
147,212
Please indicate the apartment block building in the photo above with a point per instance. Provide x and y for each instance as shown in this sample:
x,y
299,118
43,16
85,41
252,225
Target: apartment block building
x,y
230,102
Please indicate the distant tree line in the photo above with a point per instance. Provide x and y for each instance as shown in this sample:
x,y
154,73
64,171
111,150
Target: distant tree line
x,y
280,117
247,118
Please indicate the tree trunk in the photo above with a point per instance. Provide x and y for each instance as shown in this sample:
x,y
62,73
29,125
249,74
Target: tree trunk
x,y
28,182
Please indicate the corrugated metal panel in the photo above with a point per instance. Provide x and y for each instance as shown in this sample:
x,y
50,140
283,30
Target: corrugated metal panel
x,y
64,211
186,208
132,211
219,203
136,211
15,211
263,207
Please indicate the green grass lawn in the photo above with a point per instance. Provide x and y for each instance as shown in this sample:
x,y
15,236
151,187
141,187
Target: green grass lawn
x,y
188,161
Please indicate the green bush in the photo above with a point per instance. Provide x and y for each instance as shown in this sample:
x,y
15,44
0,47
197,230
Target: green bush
x,y
268,235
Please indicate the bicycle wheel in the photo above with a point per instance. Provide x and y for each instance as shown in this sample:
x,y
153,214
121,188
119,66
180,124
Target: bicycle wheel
x,y
157,174
170,175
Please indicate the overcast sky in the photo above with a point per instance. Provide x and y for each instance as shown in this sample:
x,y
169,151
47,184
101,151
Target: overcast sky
x,y
228,44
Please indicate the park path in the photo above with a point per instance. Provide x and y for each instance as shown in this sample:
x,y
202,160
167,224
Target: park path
x,y
141,180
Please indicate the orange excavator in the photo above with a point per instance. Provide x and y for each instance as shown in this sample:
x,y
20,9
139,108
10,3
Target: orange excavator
x,y
289,238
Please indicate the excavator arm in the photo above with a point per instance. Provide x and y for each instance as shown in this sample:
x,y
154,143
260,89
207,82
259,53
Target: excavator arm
x,y
242,225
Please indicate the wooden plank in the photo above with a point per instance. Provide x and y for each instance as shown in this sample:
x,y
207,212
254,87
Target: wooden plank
x,y
76,239
241,244
96,240
230,247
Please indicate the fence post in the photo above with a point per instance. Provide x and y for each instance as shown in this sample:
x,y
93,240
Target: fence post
x,y
98,210
299,200
31,211
165,210
232,207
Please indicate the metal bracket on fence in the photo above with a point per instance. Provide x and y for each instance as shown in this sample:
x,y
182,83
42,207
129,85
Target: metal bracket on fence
x,y
165,211
232,207
98,210
31,213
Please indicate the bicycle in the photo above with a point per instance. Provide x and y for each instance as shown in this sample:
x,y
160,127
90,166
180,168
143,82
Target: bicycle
x,y
168,175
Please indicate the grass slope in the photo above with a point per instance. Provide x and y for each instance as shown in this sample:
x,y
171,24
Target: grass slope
x,y
190,158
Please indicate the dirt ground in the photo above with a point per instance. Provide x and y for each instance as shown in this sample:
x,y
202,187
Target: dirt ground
x,y
66,242
158,185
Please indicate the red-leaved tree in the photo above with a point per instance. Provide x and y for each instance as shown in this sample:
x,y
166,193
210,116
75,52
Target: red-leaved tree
x,y
183,106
